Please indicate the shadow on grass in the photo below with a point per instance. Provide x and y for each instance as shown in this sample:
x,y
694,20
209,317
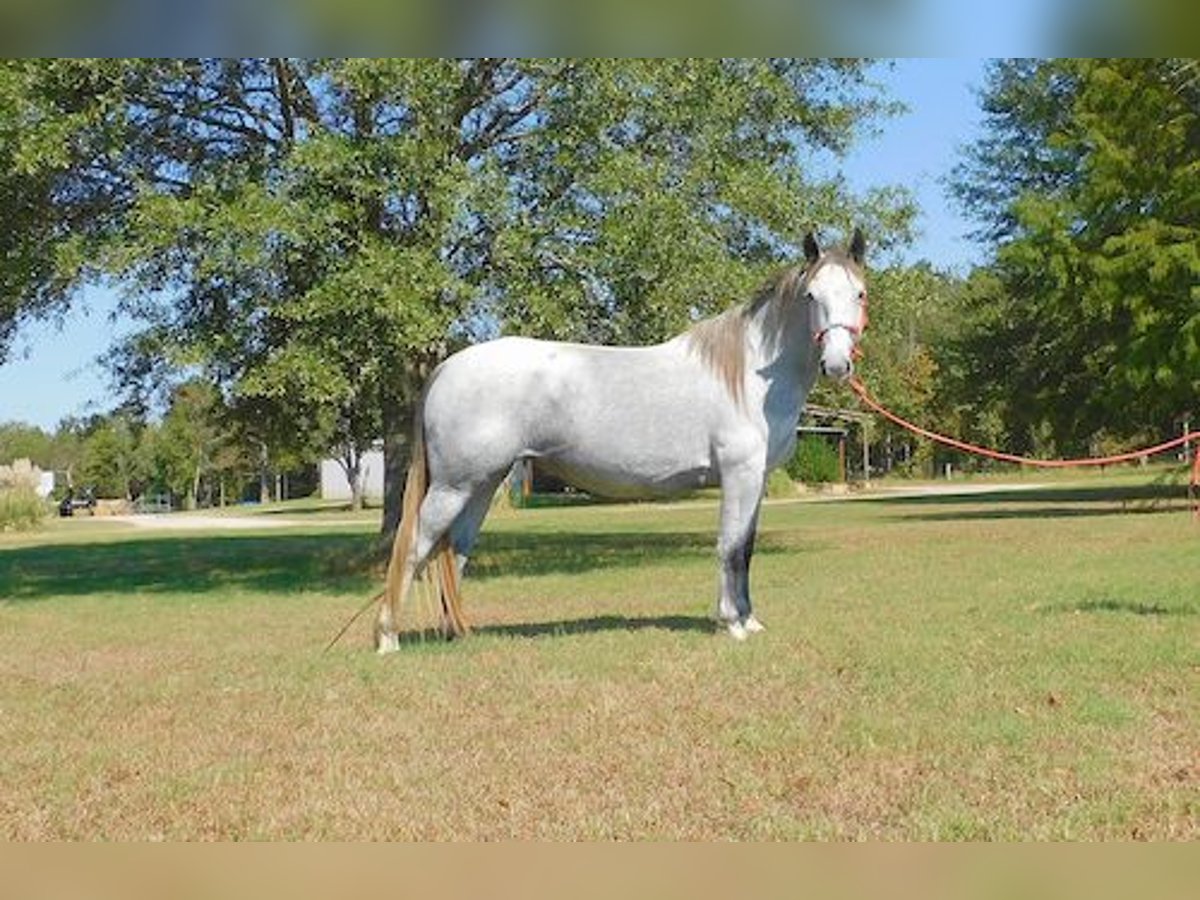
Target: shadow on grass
x,y
296,563
202,564
525,553
594,624
1071,501
1121,605
568,627
301,511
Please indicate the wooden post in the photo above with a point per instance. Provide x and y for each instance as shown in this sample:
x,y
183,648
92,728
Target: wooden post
x,y
1192,457
866,452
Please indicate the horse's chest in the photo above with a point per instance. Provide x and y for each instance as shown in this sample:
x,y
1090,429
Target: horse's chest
x,y
781,418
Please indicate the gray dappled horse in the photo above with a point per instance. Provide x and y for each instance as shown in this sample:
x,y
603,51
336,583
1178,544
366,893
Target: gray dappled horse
x,y
717,404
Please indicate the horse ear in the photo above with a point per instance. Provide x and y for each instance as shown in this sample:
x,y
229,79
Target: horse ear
x,y
858,246
812,252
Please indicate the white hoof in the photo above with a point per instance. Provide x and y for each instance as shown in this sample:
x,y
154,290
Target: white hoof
x,y
387,642
753,626
737,631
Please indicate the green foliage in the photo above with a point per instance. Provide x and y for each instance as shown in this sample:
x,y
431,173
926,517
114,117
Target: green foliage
x,y
52,121
114,463
645,212
914,314
186,446
192,453
21,509
21,441
1087,178
815,461
780,484
316,235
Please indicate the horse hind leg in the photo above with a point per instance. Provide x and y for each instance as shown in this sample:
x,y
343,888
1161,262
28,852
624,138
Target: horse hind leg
x,y
387,627
450,521
441,508
403,564
425,551
455,549
465,530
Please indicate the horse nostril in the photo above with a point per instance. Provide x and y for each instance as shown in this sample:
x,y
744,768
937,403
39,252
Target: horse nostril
x,y
839,370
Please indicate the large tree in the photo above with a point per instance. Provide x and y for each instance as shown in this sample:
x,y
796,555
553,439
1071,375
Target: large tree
x,y
316,235
1086,180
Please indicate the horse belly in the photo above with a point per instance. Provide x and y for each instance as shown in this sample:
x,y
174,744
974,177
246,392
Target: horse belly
x,y
620,423
633,439
600,468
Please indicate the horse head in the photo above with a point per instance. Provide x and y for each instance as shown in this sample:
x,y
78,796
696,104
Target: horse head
x,y
836,292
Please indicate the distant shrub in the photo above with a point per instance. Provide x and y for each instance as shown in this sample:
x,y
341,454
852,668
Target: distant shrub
x,y
814,462
21,509
780,484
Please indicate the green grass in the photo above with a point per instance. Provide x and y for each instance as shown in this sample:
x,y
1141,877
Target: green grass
x,y
1004,666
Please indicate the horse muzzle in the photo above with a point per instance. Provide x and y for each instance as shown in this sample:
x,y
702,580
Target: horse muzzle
x,y
837,352
838,370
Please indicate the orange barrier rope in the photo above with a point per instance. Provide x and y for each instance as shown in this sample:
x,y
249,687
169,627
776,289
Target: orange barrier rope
x,y
1192,436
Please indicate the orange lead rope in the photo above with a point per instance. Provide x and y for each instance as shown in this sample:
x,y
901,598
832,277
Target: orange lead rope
x,y
1192,436
1194,484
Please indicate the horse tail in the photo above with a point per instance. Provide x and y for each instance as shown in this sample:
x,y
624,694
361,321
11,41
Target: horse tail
x,y
416,485
440,568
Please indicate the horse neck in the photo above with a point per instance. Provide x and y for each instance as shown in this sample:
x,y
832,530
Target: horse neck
x,y
779,345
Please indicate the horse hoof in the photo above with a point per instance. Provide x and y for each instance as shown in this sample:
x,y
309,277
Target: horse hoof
x,y
386,643
753,626
737,631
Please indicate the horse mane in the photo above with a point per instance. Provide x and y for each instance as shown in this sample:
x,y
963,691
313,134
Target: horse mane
x,y
720,341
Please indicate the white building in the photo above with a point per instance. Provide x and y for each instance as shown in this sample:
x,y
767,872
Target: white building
x,y
334,485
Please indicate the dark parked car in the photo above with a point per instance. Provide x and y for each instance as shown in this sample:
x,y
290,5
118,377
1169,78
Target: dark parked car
x,y
84,499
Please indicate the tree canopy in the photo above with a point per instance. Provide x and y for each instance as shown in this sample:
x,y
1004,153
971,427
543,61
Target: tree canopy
x,y
1087,324
312,236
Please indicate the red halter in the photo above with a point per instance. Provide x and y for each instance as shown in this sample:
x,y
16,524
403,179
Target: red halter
x,y
856,330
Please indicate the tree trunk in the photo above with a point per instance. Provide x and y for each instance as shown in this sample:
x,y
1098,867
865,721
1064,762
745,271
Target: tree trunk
x,y
351,463
399,400
264,477
189,501
397,422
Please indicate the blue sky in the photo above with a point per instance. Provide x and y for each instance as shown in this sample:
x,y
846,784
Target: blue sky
x,y
919,149
53,372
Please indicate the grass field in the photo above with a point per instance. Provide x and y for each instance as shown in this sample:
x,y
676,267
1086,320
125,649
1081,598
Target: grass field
x,y
1007,666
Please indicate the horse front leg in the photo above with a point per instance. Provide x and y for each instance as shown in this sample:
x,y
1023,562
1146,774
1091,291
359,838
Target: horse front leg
x,y
741,496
